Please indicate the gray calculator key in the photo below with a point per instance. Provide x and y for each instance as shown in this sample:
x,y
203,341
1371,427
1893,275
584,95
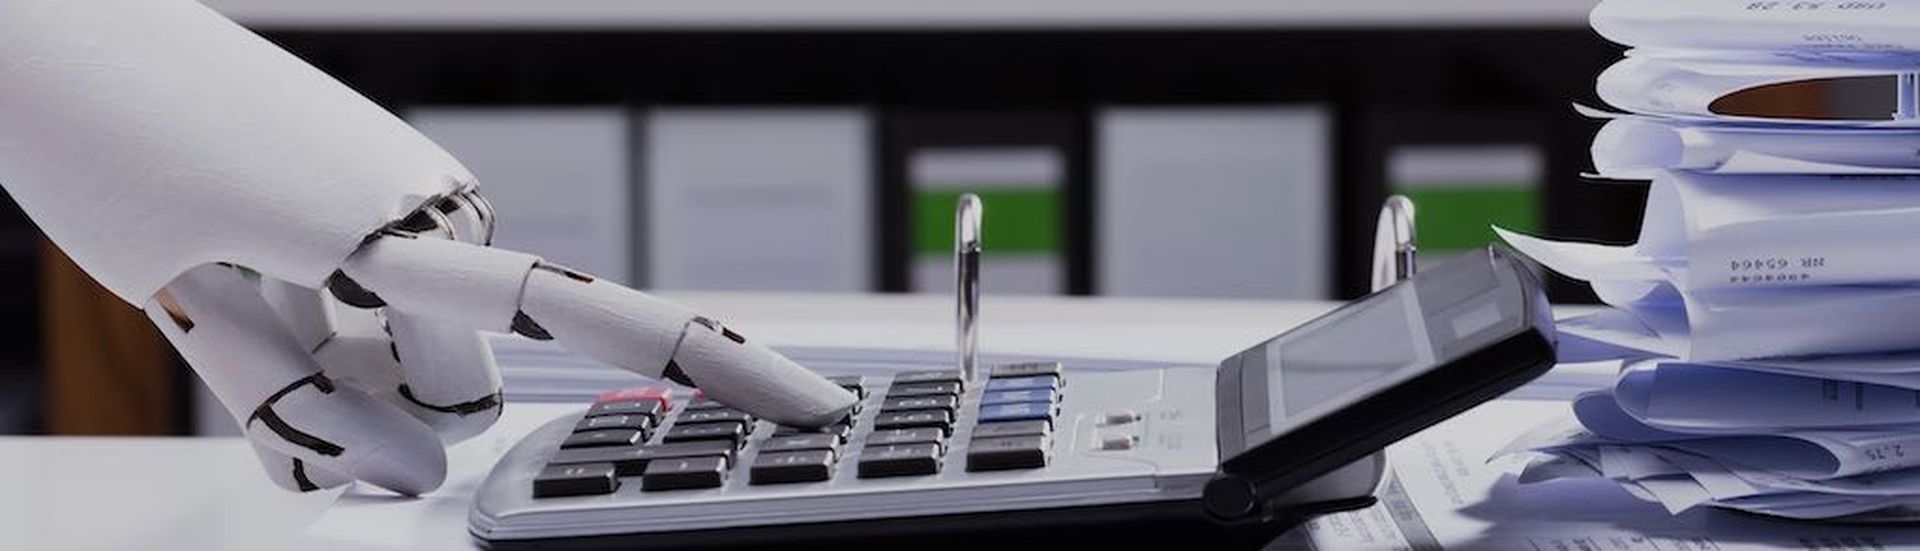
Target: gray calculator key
x,y
920,402
787,467
1031,369
631,461
714,416
600,438
629,407
905,436
731,431
838,430
901,460
1015,428
681,474
800,442
619,421
921,377
913,419
1013,452
703,403
575,480
853,383
928,389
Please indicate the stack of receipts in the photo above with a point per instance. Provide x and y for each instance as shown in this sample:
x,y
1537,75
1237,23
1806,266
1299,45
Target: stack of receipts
x,y
1768,318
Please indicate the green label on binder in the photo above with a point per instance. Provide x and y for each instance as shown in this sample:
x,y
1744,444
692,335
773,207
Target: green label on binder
x,y
1460,191
1453,218
1015,219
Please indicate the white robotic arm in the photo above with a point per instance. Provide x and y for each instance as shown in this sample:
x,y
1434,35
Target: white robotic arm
x,y
198,171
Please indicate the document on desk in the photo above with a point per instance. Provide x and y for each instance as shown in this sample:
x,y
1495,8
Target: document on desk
x,y
1444,492
1727,266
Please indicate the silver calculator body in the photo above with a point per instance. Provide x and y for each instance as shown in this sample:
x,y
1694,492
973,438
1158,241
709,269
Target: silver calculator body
x,y
1118,437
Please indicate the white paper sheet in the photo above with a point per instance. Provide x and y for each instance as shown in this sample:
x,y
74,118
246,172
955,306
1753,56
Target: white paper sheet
x,y
1681,480
1804,454
1707,399
1747,25
1639,148
1445,494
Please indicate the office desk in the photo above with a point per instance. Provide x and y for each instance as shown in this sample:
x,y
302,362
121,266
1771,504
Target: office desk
x,y
208,493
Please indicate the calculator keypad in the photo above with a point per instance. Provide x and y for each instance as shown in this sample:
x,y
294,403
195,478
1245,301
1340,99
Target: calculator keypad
x,y
920,423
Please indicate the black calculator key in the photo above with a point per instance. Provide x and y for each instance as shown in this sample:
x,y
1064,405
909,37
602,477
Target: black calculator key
x,y
837,430
1032,369
799,442
786,467
922,377
901,460
731,431
703,403
1013,452
1014,428
620,421
604,438
913,419
650,408
905,436
631,461
728,415
927,389
575,480
685,473
853,383
920,402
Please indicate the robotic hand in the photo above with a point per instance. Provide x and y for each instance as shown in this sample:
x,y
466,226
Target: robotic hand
x,y
220,184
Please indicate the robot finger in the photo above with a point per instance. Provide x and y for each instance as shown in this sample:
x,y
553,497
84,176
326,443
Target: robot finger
x,y
293,474
498,289
450,380
217,318
600,318
306,312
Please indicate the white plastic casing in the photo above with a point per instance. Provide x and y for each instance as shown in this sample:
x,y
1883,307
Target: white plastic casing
x,y
146,137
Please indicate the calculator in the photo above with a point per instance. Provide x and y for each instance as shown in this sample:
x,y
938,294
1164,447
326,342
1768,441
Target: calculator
x,y
1047,450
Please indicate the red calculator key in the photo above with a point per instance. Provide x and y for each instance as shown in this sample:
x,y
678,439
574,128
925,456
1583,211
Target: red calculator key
x,y
661,394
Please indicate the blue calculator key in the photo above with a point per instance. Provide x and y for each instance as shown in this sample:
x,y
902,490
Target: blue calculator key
x,y
1030,411
1022,383
1040,395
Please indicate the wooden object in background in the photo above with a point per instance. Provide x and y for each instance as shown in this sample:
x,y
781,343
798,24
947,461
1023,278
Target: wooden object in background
x,y
108,372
